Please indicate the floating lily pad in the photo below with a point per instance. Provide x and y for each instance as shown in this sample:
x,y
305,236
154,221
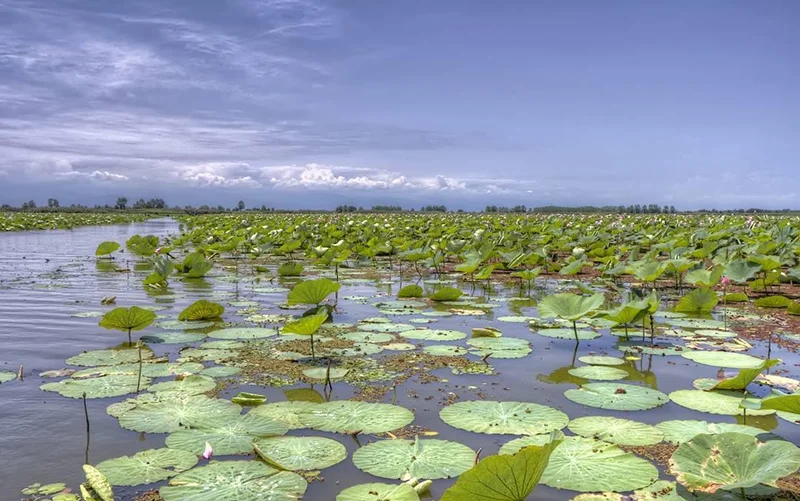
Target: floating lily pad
x,y
351,416
423,458
587,465
714,402
715,333
220,371
696,323
181,325
378,492
6,376
300,453
98,387
226,436
367,337
598,372
399,347
601,360
322,373
616,431
147,467
358,349
617,396
190,385
433,335
503,418
286,412
167,416
732,461
724,359
443,350
568,334
149,369
514,446
172,338
437,313
108,357
500,347
654,349
680,431
235,481
386,327
243,333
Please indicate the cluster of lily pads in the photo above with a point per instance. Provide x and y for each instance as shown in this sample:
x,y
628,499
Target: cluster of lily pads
x,y
19,221
656,315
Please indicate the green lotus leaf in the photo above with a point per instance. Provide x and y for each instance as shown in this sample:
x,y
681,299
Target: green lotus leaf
x,y
98,387
289,412
201,310
601,360
220,371
705,278
398,347
587,465
6,376
680,431
714,402
731,461
433,335
352,416
741,270
290,270
312,291
516,445
176,413
147,467
247,399
617,396
108,357
195,265
793,308
629,313
700,300
300,453
735,297
226,436
412,290
501,347
442,350
616,430
106,248
422,458
446,294
367,337
235,481
561,333
386,327
128,319
773,302
189,385
172,338
486,332
782,403
741,380
503,418
378,492
305,326
323,373
242,333
142,245
178,325
598,373
98,483
503,478
724,359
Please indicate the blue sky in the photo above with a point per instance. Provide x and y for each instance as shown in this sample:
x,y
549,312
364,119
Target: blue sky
x,y
313,103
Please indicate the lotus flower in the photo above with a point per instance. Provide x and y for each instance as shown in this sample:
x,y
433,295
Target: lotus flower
x,y
725,281
208,452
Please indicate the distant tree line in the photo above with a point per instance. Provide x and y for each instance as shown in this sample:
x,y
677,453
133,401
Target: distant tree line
x,y
516,208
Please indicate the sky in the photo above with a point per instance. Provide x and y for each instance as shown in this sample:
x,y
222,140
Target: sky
x,y
316,103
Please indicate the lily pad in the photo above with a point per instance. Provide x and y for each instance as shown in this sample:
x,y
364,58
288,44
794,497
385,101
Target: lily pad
x,y
714,402
568,334
724,359
679,431
443,350
616,430
147,467
227,437
172,338
501,347
352,416
190,385
286,412
98,387
587,465
433,335
321,373
108,357
300,453
378,492
423,458
617,396
243,333
598,372
367,337
601,360
504,418
514,446
180,325
386,327
6,376
167,416
235,481
731,461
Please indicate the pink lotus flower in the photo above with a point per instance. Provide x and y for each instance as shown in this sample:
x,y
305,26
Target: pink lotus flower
x,y
158,251
725,281
208,452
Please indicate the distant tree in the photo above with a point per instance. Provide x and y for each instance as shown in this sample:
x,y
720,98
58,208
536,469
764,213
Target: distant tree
x,y
30,204
240,205
122,203
263,208
672,209
434,208
52,203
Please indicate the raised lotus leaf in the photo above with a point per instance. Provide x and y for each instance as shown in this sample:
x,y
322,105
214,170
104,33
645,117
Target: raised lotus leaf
x,y
201,310
412,290
446,294
300,453
147,467
235,481
312,291
106,248
700,300
731,461
503,418
421,458
98,483
352,416
305,326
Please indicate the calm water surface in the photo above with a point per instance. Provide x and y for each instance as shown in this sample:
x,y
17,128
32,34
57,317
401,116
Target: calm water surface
x,y
48,276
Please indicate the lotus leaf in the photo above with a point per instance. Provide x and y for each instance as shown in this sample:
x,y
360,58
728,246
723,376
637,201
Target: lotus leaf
x,y
247,399
731,461
501,347
433,335
235,481
714,402
128,319
724,359
351,416
106,248
616,431
680,431
190,385
242,333
503,418
172,338
367,337
378,492
446,294
322,373
201,310
617,396
412,290
384,327
601,360
6,376
516,445
147,467
227,436
300,453
441,350
312,291
422,458
504,477
179,325
700,300
568,334
305,326
773,302
98,483
98,387
170,415
289,412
